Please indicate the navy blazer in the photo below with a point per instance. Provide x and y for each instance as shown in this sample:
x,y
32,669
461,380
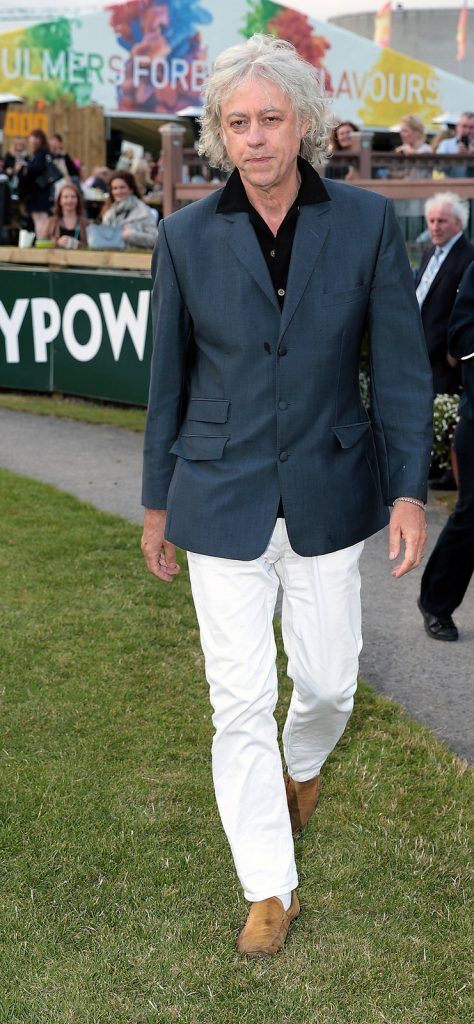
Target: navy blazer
x,y
436,310
248,403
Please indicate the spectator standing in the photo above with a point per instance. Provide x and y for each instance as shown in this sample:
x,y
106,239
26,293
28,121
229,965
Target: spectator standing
x,y
438,280
127,210
463,142
125,160
63,161
451,565
34,188
67,226
141,173
156,175
14,161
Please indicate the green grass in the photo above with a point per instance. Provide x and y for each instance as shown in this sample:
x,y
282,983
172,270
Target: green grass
x,y
112,415
75,409
446,498
118,899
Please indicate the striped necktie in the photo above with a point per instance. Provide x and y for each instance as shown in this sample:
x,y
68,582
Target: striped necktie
x,y
429,276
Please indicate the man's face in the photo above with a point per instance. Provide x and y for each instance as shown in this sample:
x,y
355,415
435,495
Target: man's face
x,y
261,133
54,144
465,126
442,224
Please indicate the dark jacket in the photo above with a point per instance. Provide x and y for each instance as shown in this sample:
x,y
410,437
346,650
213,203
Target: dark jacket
x,y
64,158
37,199
249,403
436,311
461,339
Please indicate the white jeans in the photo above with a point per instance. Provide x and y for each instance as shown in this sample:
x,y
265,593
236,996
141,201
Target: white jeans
x,y
321,625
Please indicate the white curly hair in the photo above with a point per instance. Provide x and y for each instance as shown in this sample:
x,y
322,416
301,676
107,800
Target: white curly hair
x,y
459,207
277,61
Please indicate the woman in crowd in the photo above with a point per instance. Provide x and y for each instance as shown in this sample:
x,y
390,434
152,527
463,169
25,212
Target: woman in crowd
x,y
67,226
14,161
413,136
34,188
125,209
342,140
141,173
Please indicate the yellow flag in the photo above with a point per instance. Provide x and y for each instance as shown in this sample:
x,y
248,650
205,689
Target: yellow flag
x,y
383,25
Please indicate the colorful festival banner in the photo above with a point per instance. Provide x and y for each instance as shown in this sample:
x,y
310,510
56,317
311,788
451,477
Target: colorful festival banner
x,y
145,57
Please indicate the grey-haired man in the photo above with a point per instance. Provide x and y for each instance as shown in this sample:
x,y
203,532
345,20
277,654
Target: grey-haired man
x,y
260,459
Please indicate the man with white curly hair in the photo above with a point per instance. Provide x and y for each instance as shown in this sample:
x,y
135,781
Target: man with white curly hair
x,y
437,282
260,458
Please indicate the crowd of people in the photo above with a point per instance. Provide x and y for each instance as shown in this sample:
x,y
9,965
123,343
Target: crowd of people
x,y
48,196
39,168
457,140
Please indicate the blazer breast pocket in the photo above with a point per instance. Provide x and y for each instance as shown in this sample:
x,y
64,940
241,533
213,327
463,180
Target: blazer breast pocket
x,y
340,298
208,410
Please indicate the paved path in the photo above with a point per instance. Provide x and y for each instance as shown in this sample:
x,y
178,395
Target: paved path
x,y
432,680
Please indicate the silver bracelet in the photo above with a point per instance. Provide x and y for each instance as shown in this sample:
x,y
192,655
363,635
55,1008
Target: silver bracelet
x,y
411,501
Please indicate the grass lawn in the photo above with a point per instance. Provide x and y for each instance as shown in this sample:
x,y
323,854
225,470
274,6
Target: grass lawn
x,y
446,498
118,900
114,416
75,409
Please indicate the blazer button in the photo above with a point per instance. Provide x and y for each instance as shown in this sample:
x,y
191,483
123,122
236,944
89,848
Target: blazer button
x,y
267,347
283,456
282,350
282,405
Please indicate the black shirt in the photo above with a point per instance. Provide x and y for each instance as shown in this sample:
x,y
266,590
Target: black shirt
x,y
276,249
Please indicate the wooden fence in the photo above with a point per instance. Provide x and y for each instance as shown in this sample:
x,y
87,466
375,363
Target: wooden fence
x,y
366,162
82,129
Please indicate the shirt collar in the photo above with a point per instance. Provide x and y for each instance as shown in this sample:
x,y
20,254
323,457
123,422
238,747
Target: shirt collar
x,y
234,198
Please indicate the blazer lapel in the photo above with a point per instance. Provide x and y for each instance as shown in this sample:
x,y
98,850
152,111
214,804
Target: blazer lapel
x,y
445,267
244,243
310,236
439,277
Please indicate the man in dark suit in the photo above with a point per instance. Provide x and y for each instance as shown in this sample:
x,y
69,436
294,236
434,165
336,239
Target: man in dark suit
x,y
438,280
451,565
260,458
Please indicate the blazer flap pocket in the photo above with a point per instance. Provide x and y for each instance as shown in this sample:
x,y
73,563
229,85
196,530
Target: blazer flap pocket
x,y
208,410
199,446
349,433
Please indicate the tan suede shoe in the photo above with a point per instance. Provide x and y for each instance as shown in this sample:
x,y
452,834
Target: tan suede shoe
x,y
302,799
267,926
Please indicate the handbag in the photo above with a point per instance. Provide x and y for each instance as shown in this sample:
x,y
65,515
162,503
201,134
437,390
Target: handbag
x,y
104,236
50,175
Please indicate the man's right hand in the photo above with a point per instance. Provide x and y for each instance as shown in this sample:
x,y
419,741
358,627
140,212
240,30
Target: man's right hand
x,y
159,554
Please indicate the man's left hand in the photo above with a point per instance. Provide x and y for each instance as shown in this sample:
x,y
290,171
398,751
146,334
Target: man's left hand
x,y
408,524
